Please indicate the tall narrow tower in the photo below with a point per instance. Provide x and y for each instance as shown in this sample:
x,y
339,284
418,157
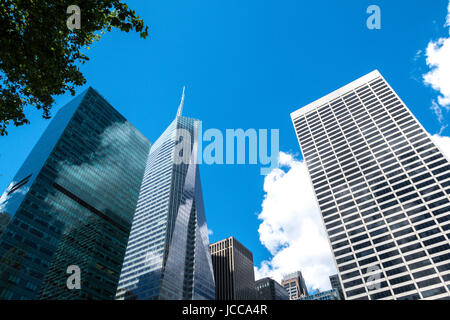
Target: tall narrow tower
x,y
383,190
167,255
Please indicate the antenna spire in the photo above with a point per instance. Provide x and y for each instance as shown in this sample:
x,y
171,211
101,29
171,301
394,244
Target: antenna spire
x,y
180,107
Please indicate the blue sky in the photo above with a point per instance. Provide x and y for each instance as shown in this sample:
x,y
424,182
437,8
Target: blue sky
x,y
248,64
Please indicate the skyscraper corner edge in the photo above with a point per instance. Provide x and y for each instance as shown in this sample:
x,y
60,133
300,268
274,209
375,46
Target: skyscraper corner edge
x,y
335,94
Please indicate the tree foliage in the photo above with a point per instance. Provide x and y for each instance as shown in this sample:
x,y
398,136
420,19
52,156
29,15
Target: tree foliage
x,y
40,55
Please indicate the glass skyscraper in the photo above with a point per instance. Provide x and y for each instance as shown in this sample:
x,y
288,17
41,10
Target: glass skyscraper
x,y
383,189
71,204
167,256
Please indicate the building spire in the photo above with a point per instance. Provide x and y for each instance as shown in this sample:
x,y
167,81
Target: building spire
x,y
180,107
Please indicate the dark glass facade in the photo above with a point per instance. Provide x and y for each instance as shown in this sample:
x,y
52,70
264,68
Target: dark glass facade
x,y
72,203
167,255
233,270
269,289
336,284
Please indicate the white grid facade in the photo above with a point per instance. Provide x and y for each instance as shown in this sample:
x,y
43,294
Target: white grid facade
x,y
383,189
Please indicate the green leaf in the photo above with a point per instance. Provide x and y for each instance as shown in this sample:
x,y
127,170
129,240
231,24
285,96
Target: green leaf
x,y
39,54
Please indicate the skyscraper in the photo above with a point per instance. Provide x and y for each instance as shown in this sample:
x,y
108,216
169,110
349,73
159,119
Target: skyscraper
x,y
269,289
295,285
167,256
71,204
233,270
336,284
383,190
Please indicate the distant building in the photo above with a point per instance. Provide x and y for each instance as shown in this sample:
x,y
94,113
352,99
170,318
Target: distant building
x,y
233,270
325,295
336,284
269,289
295,285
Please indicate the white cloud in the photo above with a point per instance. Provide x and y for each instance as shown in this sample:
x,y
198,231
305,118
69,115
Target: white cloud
x,y
291,228
5,198
285,159
3,201
447,23
443,143
437,111
438,60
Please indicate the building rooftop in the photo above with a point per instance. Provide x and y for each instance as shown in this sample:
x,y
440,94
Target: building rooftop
x,y
335,94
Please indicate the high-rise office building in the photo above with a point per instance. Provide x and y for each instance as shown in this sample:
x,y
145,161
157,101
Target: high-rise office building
x,y
295,285
382,186
71,204
167,256
269,289
233,270
336,284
